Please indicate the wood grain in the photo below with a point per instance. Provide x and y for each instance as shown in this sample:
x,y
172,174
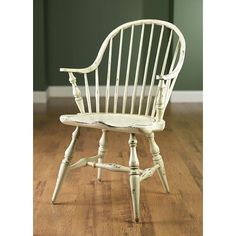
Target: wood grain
x,y
88,207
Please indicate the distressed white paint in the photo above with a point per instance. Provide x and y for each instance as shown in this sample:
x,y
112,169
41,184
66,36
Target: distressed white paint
x,y
134,177
76,92
137,70
127,121
108,77
147,173
157,159
83,162
65,164
128,70
87,93
97,95
101,151
118,72
109,166
146,70
98,59
154,71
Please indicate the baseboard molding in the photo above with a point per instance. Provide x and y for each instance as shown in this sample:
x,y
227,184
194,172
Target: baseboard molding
x,y
187,96
66,91
40,96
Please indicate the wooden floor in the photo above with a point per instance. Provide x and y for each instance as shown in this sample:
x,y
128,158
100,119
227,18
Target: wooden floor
x,y
87,207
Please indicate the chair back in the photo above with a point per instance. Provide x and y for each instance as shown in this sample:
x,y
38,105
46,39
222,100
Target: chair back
x,y
140,61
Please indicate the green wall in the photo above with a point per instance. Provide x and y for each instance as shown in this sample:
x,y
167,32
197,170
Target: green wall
x,y
69,34
157,9
39,56
187,15
76,29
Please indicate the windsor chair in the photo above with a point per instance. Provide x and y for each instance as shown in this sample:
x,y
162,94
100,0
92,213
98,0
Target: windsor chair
x,y
149,71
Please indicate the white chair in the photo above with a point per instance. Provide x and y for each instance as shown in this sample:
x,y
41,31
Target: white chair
x,y
149,71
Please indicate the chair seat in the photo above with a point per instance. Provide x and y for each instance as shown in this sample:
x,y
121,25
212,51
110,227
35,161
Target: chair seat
x,y
117,122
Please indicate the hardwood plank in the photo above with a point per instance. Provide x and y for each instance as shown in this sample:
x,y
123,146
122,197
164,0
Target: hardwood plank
x,y
88,207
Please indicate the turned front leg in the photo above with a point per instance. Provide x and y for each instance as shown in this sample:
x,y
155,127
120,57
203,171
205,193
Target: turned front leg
x,y
65,163
157,159
134,177
101,151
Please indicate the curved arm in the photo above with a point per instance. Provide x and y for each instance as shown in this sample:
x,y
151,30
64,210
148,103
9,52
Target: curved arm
x,y
81,70
177,69
169,76
97,61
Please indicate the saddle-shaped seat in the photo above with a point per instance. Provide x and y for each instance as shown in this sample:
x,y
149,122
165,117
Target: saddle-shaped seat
x,y
115,122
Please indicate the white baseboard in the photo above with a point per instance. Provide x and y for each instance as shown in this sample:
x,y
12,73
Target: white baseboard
x,y
66,91
40,96
187,96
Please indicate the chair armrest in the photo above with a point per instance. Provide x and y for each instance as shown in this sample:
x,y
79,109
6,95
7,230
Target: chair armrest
x,y
96,62
92,67
79,70
167,76
177,69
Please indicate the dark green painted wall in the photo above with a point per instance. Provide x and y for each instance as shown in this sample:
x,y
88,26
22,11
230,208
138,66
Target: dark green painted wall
x,y
76,29
187,15
69,33
157,9
39,56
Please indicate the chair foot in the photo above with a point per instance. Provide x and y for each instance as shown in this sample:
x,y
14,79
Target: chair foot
x,y
162,175
64,165
134,177
157,159
135,194
101,152
60,178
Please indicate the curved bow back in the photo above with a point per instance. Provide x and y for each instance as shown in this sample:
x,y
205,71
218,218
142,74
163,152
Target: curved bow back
x,y
139,62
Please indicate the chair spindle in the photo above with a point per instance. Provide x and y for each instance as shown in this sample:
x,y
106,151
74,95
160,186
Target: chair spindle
x,y
146,69
108,77
159,98
166,54
137,70
168,83
118,72
87,93
154,72
128,69
97,97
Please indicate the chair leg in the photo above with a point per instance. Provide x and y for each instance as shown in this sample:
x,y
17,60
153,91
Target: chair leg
x,y
65,163
101,151
157,159
134,177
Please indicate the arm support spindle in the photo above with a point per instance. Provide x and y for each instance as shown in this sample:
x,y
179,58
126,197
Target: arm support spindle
x,y
160,100
76,93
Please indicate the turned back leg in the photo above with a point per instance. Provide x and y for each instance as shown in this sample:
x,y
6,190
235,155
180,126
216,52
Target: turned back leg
x,y
157,159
